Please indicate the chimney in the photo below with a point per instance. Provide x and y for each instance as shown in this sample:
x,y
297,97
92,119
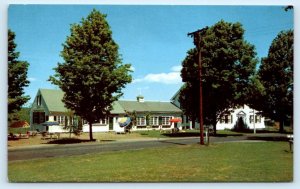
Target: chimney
x,y
140,98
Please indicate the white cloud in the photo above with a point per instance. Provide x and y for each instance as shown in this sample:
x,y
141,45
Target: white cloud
x,y
31,79
165,78
176,68
172,77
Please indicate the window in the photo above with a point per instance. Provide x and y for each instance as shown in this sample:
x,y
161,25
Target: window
x,y
61,120
251,118
257,119
226,119
39,100
38,117
141,121
165,120
35,116
102,121
153,121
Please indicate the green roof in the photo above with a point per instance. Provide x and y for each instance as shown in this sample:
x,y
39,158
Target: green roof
x,y
149,106
117,108
53,100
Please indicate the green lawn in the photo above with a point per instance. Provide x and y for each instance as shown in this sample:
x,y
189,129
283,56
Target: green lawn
x,y
223,162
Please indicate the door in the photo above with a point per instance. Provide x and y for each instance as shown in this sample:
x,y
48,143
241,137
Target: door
x,y
111,123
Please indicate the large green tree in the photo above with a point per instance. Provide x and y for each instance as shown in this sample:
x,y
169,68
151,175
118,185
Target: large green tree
x,y
17,77
228,65
276,76
92,74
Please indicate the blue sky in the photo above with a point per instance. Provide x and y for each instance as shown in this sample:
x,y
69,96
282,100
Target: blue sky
x,y
151,38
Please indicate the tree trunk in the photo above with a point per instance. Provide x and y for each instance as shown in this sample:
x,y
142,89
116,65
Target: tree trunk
x,y
215,129
215,124
91,131
193,123
292,123
281,124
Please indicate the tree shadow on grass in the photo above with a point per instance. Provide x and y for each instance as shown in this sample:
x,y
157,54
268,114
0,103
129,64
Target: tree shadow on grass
x,y
69,141
262,131
268,138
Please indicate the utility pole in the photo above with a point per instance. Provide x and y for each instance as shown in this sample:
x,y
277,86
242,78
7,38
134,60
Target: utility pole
x,y
197,41
254,130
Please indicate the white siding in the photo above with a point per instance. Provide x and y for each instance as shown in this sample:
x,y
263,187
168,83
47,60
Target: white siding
x,y
57,129
96,128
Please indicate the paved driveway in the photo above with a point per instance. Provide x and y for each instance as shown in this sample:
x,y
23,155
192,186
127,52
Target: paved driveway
x,y
44,151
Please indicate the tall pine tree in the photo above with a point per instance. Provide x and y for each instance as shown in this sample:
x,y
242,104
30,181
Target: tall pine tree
x,y
92,74
17,77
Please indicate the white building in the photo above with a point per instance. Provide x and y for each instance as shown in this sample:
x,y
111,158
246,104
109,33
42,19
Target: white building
x,y
242,116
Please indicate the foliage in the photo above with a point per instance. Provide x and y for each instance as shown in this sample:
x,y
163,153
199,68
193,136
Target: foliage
x,y
23,115
17,77
92,74
276,76
19,124
228,65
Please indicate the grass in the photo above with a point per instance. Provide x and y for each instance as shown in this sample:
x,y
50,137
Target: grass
x,y
151,133
224,162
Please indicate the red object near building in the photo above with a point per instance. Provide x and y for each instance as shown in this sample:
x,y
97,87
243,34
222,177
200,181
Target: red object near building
x,y
19,124
175,120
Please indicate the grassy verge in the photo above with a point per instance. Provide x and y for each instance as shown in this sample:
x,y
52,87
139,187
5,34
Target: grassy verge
x,y
226,162
184,133
151,133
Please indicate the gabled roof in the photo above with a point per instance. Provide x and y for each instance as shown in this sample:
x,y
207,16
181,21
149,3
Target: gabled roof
x,y
117,108
149,106
53,100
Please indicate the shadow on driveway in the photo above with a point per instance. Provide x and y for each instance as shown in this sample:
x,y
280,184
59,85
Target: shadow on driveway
x,y
170,142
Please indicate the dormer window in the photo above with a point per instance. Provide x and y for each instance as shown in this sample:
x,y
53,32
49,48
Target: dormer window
x,y
39,100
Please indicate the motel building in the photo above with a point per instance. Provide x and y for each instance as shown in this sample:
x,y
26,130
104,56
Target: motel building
x,y
150,115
